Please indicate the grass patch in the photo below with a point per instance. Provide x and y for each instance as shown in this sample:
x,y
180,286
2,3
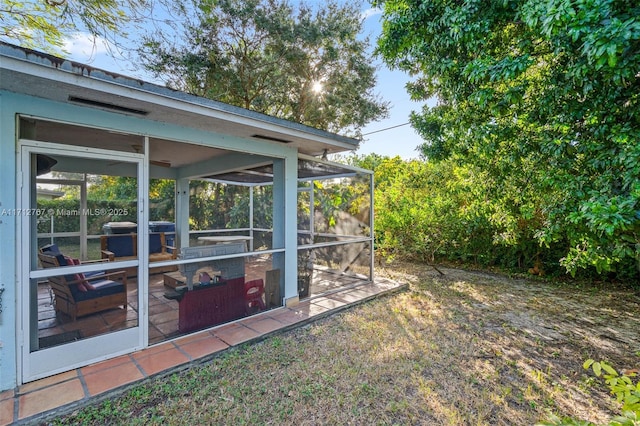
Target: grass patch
x,y
466,348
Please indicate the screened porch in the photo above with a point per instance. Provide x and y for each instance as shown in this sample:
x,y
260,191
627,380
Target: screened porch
x,y
214,214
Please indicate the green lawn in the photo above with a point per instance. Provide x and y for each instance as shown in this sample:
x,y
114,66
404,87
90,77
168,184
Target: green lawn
x,y
469,348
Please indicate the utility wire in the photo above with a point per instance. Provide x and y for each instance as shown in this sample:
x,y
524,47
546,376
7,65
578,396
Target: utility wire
x,y
387,128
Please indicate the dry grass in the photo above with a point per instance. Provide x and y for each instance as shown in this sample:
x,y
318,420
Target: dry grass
x,y
468,348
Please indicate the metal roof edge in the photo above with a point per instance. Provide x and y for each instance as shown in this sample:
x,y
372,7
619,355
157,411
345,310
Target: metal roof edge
x,y
77,68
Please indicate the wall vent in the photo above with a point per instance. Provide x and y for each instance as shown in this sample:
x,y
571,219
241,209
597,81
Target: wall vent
x,y
271,138
106,105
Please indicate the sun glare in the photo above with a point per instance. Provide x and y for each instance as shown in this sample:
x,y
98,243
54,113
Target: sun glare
x,y
316,87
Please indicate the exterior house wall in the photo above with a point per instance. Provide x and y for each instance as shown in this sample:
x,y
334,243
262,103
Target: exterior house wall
x,y
8,273
12,104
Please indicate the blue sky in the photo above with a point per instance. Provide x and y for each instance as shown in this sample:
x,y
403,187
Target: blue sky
x,y
400,141
403,140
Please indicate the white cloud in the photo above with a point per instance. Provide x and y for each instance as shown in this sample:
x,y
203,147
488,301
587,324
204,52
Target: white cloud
x,y
100,53
84,47
372,11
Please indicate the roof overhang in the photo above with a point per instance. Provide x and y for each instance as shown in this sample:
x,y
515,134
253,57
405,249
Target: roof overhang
x,y
41,75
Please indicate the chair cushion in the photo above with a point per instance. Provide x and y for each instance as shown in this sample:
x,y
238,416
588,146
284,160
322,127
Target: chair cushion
x,y
67,261
102,288
51,249
120,245
83,285
62,259
155,243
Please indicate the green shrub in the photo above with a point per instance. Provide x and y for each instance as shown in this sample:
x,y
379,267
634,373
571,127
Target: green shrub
x,y
621,386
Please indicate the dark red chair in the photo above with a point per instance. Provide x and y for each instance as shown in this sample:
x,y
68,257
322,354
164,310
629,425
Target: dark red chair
x,y
253,296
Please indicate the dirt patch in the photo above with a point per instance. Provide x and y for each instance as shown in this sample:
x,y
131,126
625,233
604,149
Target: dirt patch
x,y
537,334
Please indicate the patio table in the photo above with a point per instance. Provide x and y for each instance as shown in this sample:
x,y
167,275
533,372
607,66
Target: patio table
x,y
224,239
221,239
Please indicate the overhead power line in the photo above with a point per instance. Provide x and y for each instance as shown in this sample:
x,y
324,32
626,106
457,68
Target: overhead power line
x,y
387,128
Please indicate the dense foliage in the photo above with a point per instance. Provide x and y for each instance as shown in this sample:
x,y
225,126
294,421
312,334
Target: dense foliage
x,y
63,215
539,105
306,64
437,211
212,205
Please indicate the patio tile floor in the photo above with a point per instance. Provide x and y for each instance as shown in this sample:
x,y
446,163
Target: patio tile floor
x,y
6,410
62,393
113,377
235,333
263,325
200,348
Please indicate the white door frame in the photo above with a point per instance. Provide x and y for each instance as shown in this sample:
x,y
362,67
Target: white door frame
x,y
46,362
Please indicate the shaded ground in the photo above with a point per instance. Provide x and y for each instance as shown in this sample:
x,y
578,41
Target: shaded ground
x,y
467,348
526,341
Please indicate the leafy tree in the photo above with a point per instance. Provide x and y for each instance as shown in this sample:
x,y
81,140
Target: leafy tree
x,y
438,211
44,24
543,98
113,188
306,64
424,211
212,205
